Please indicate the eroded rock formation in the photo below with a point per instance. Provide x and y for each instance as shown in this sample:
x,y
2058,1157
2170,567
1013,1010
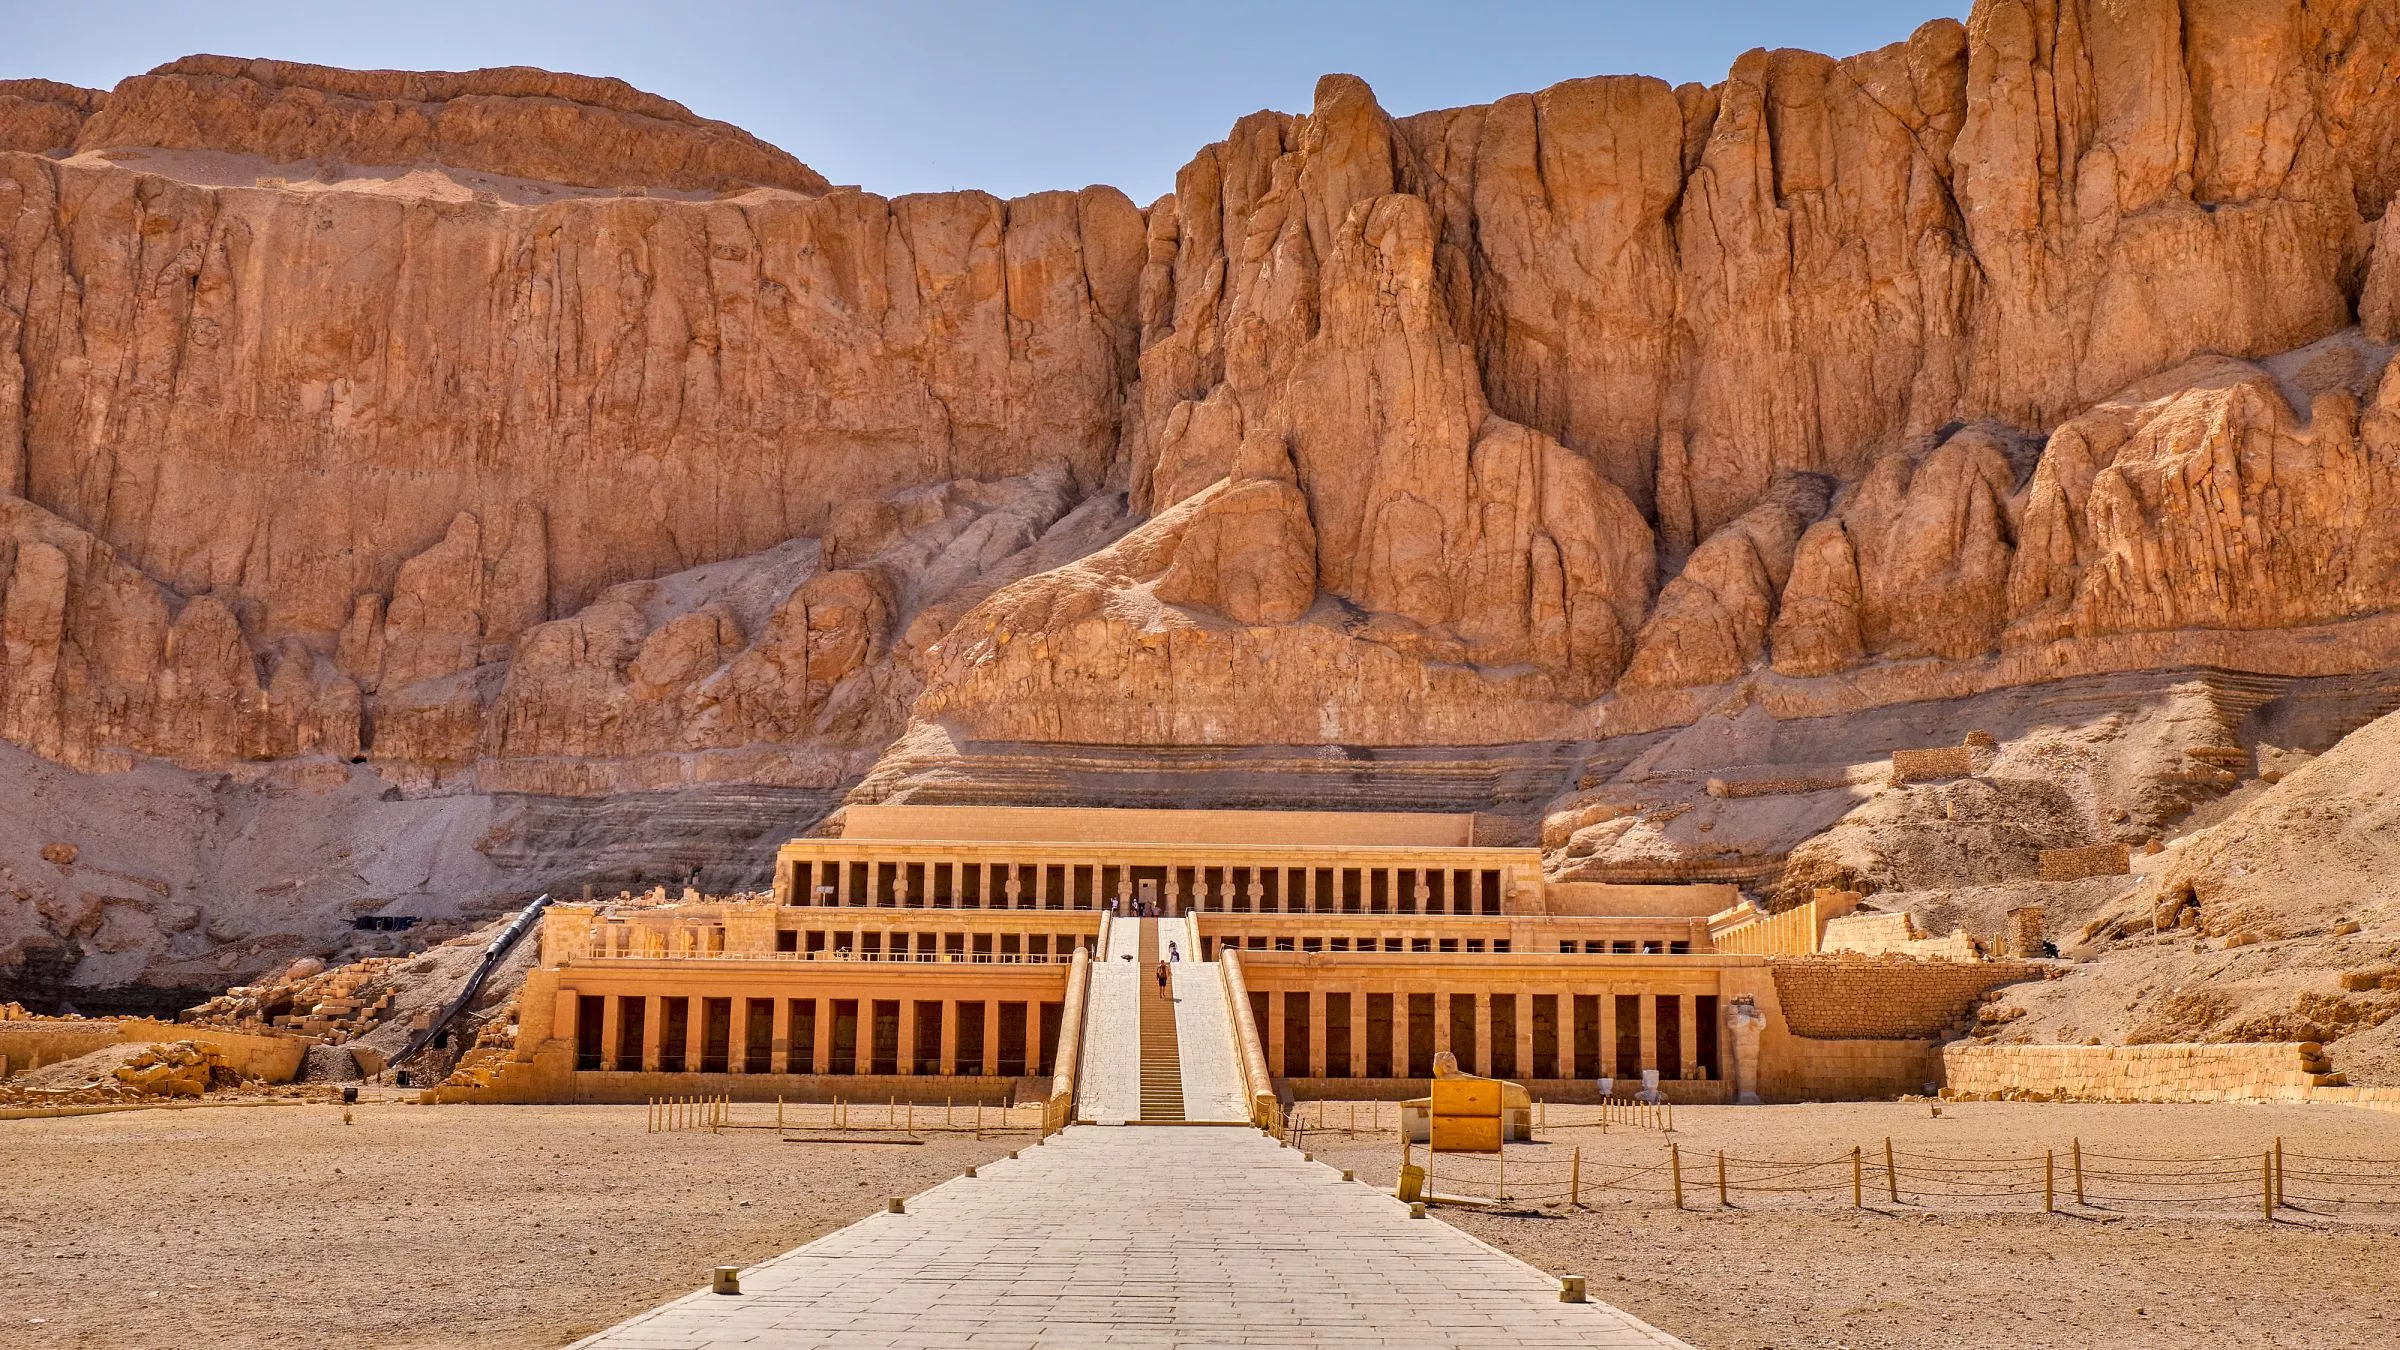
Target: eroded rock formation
x,y
511,431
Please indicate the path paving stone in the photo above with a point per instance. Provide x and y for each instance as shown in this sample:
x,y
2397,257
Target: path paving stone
x,y
1140,1236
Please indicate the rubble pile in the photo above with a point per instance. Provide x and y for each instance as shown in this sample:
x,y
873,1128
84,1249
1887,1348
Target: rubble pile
x,y
126,1073
307,998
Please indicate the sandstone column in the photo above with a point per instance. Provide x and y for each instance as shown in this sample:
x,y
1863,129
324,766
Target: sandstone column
x,y
949,1037
1317,1016
1608,1032
611,1021
653,1013
737,1035
1524,1010
779,1053
821,1047
1483,1032
1649,1032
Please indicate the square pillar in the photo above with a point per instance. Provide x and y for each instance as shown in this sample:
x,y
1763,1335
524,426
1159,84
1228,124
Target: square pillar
x,y
1649,1031
908,1036
991,1037
610,1020
737,1034
1608,1033
1358,1033
1441,1020
779,1055
653,1013
1274,1030
1316,1035
949,1037
1483,1032
1686,1011
695,1032
1400,1033
821,1051
1524,1019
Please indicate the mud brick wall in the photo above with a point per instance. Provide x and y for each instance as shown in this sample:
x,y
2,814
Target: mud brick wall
x,y
2262,1071
2074,864
1919,766
1884,998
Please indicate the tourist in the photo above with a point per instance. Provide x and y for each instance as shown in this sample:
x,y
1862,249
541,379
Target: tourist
x,y
1172,953
1162,981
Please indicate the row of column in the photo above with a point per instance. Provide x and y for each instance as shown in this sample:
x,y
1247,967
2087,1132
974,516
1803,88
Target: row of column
x,y
658,1033
952,884
1378,1034
879,944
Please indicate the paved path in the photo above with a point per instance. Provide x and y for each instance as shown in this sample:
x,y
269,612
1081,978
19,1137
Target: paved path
x,y
1212,1078
1126,1235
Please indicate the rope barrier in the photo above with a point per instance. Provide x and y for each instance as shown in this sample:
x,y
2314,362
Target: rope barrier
x,y
2270,1180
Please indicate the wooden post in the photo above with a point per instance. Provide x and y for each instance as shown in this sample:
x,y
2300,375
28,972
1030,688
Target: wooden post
x,y
2078,1170
2266,1183
1858,1179
2049,1181
1722,1201
778,1113
1500,1186
1891,1174
1575,1178
1675,1167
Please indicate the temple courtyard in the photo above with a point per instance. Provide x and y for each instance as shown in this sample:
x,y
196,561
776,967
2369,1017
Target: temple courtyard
x,y
539,1225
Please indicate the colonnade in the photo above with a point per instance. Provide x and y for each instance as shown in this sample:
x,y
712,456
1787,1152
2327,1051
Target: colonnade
x,y
878,944
738,1034
960,883
1395,1033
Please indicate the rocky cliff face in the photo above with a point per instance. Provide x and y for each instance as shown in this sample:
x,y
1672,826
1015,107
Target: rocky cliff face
x,y
517,432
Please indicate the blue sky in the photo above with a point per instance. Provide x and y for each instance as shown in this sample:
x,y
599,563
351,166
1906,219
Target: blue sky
x,y
921,95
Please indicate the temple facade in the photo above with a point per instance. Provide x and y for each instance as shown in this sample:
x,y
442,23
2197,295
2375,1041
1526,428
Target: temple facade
x,y
948,953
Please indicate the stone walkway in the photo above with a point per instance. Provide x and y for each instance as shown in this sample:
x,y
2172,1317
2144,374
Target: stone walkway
x,y
1212,1077
1160,1236
1109,1088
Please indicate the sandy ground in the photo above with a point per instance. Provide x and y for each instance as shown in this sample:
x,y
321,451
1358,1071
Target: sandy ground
x,y
1797,1273
414,1226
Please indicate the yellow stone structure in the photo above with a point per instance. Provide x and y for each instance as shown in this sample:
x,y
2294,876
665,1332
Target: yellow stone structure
x,y
941,952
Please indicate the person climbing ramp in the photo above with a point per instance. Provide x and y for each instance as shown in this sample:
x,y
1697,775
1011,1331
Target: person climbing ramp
x,y
1163,977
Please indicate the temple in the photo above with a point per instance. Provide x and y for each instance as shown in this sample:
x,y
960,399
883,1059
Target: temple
x,y
954,953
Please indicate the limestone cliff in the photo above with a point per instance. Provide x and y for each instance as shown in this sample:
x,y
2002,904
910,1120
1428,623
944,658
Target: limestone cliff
x,y
517,432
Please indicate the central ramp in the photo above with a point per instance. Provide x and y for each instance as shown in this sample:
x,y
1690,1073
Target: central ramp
x,y
1141,1236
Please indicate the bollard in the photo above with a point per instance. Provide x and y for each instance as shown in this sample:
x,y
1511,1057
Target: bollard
x,y
1571,1289
895,1205
2049,1181
970,1171
1416,1209
1012,1153
1575,1178
1722,1202
1346,1176
1891,1174
2078,1142
1858,1188
727,1280
1675,1168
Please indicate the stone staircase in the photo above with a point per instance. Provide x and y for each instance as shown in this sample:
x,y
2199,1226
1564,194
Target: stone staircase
x,y
1162,1054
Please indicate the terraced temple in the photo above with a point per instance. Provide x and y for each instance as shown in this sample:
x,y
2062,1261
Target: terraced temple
x,y
1012,954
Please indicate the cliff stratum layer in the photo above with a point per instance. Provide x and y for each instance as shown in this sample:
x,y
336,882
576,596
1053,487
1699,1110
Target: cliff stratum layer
x,y
524,442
